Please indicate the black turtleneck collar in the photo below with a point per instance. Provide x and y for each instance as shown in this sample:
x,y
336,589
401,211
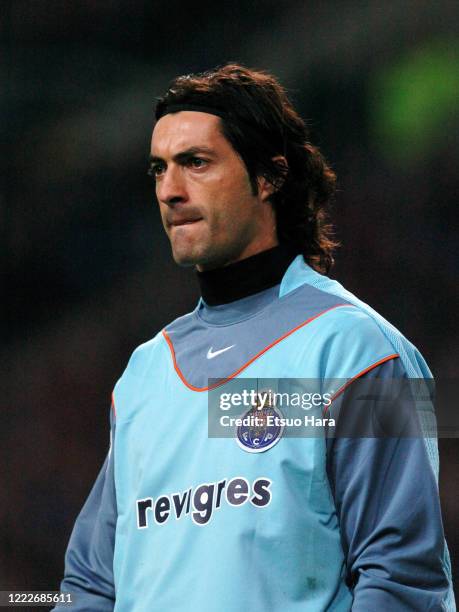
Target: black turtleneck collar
x,y
245,277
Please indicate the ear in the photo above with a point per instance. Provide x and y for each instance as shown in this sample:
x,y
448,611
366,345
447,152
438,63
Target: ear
x,y
266,188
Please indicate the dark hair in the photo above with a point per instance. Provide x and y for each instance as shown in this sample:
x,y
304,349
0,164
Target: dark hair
x,y
260,122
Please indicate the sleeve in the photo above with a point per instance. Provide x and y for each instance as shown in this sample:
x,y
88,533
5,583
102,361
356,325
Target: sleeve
x,y
89,557
388,507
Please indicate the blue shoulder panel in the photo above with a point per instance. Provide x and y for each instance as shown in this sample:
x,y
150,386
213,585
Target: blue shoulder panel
x,y
202,350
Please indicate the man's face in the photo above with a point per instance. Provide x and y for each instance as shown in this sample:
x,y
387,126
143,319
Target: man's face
x,y
205,197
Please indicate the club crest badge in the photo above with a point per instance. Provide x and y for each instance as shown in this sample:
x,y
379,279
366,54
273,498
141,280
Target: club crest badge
x,y
261,428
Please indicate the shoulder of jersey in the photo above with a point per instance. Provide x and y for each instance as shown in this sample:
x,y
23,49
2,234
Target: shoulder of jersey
x,y
352,336
348,329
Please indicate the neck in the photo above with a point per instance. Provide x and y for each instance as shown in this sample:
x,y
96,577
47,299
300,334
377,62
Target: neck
x,y
245,277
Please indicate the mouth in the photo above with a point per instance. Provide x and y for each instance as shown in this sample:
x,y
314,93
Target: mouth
x,y
182,222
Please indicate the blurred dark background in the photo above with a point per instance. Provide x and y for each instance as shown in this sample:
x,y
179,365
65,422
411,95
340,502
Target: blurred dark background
x,y
86,272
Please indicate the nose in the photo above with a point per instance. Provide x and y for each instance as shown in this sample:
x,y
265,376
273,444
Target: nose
x,y
171,188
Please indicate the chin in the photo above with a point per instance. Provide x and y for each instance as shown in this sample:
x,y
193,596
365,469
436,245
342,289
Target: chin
x,y
202,263
183,261
204,260
186,259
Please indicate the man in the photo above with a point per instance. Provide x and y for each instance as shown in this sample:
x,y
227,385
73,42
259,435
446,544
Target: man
x,y
178,520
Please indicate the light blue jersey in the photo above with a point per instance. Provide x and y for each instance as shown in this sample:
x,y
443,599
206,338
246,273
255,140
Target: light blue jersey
x,y
182,522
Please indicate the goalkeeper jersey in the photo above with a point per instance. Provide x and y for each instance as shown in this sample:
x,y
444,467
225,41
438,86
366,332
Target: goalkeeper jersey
x,y
180,521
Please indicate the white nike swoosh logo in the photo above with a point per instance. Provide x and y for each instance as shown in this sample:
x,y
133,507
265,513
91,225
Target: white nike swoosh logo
x,y
211,354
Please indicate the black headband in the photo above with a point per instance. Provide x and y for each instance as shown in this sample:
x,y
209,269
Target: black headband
x,y
175,108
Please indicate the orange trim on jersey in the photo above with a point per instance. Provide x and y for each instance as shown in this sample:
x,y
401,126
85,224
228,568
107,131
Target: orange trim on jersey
x,y
113,405
349,382
245,365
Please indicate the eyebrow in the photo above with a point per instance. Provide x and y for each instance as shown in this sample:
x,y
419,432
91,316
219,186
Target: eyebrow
x,y
183,156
